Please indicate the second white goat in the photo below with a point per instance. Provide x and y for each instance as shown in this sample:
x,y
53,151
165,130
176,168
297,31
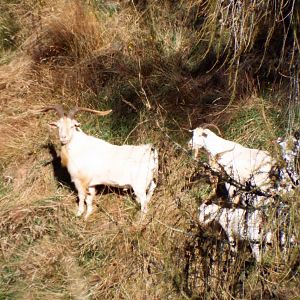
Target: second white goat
x,y
244,165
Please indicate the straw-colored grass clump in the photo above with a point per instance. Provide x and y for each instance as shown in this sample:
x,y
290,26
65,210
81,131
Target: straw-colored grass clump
x,y
163,68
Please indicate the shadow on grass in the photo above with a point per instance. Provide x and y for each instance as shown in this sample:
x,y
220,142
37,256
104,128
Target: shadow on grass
x,y
61,173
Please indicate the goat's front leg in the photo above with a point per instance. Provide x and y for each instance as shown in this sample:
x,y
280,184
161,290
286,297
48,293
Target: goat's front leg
x,y
81,195
232,244
89,201
233,247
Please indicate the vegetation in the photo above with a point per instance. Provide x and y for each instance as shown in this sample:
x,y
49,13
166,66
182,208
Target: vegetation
x,y
163,67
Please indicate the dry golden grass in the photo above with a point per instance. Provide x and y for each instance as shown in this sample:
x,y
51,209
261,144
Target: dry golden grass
x,y
138,59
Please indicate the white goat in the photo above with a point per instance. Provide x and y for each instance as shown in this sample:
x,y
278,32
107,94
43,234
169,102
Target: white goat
x,y
243,165
240,224
92,161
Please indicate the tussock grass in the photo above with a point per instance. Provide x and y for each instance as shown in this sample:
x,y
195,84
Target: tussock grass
x,y
255,122
171,63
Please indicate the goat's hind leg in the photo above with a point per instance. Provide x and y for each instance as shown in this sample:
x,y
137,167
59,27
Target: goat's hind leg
x,y
141,197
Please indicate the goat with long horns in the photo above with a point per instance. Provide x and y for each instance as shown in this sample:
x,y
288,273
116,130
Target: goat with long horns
x,y
92,161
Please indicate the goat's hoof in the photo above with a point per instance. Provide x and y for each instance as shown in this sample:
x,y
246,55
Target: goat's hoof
x,y
79,213
142,217
86,217
144,210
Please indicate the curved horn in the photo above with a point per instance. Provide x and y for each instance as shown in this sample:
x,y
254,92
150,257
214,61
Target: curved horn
x,y
59,109
206,125
75,110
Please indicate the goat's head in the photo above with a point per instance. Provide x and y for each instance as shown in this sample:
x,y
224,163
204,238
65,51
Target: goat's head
x,y
208,213
198,139
66,124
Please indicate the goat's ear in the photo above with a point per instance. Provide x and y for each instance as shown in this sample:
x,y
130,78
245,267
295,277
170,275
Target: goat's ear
x,y
76,124
204,134
53,125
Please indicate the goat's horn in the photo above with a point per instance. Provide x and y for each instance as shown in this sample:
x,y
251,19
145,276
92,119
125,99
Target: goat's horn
x,y
206,125
59,109
75,110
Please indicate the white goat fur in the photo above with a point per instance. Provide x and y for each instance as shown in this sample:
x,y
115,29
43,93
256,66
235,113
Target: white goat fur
x,y
239,225
240,163
92,161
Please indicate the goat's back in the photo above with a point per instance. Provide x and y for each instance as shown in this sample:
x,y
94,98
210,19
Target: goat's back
x,y
100,162
244,163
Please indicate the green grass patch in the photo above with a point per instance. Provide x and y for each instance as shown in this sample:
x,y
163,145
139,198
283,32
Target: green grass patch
x,y
254,127
8,30
4,187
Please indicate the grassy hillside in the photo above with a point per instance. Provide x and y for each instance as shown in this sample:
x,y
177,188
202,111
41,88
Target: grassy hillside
x,y
163,67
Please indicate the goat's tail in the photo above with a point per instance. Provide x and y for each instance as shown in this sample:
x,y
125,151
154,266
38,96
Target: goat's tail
x,y
154,172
